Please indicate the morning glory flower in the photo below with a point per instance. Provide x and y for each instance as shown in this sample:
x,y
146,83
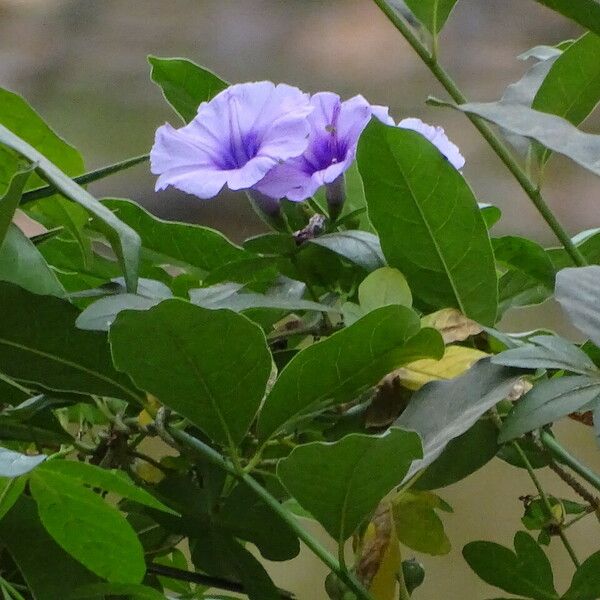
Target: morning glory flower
x,y
235,139
335,127
438,138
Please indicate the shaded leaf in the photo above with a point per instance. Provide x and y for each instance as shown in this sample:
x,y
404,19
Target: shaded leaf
x,y
345,364
525,572
585,584
129,590
65,507
428,221
10,491
210,366
185,85
384,287
433,14
549,401
10,201
341,483
360,247
40,343
442,410
584,12
100,315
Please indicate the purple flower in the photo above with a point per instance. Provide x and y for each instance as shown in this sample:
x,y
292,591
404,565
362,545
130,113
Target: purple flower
x,y
335,127
438,138
234,140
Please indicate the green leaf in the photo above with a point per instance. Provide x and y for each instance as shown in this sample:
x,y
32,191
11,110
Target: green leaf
x,y
100,315
552,132
185,85
443,410
491,214
549,401
10,201
21,119
417,524
130,591
462,456
112,480
433,14
525,572
341,483
84,525
48,571
10,491
39,343
586,581
384,287
345,364
124,240
578,293
179,244
526,256
232,296
572,87
210,366
430,226
584,12
360,247
548,352
13,464
22,264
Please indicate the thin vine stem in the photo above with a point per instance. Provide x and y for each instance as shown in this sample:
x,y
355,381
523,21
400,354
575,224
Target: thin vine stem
x,y
90,177
497,145
317,549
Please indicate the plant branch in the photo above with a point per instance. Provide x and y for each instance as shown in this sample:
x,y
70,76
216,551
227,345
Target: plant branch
x,y
557,450
319,551
204,580
486,131
91,176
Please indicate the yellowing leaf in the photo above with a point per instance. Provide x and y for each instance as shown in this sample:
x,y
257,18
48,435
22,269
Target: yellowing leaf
x,y
452,324
380,560
456,360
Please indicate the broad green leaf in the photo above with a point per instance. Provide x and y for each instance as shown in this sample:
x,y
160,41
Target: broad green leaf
x,y
10,201
184,84
578,293
13,464
341,483
345,364
210,366
88,528
525,572
552,132
384,287
491,214
587,242
130,591
10,491
124,240
418,525
456,360
549,401
22,264
21,119
39,343
433,14
428,221
462,456
113,480
232,296
584,12
179,244
525,256
572,87
48,571
585,584
548,352
442,410
516,289
360,247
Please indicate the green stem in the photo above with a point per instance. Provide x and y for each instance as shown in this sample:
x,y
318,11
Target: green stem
x,y
561,454
319,551
546,502
486,131
403,593
10,589
91,176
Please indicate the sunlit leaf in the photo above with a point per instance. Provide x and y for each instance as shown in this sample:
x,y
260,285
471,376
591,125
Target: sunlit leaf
x,y
383,287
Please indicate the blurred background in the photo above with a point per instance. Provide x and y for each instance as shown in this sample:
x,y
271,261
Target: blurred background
x,y
82,65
